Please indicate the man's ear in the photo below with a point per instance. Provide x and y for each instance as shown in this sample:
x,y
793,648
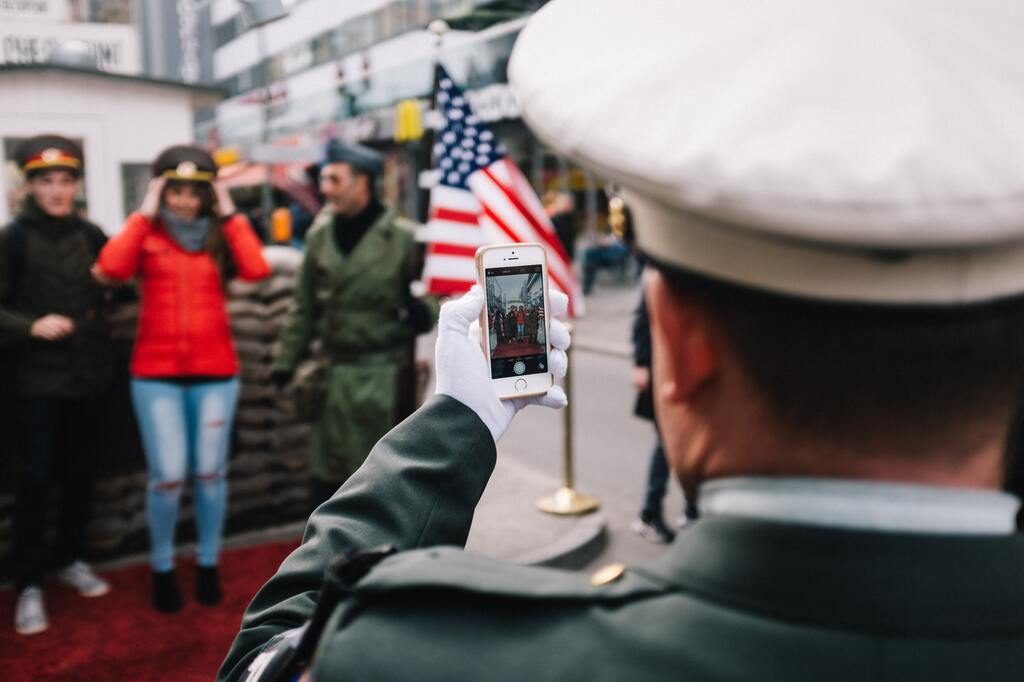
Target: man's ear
x,y
685,353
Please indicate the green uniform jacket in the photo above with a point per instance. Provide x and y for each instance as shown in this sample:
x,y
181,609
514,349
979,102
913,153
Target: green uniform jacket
x,y
55,278
358,307
731,599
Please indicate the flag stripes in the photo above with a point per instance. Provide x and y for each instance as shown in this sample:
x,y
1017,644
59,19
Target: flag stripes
x,y
482,198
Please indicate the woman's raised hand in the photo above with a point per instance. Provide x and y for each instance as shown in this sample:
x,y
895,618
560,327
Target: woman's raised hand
x,y
151,202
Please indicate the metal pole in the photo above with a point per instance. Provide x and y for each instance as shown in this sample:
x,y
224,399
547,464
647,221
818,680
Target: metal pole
x,y
566,500
266,193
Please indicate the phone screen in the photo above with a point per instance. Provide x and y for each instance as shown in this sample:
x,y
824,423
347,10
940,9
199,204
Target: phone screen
x,y
517,332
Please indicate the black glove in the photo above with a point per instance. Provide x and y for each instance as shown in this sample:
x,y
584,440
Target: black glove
x,y
280,378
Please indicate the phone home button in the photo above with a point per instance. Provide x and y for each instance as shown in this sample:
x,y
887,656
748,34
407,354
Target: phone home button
x,y
520,385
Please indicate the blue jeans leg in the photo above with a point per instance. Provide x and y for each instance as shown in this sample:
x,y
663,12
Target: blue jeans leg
x,y
160,413
211,409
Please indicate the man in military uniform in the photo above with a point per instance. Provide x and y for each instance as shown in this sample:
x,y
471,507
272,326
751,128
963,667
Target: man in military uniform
x,y
837,307
353,295
53,329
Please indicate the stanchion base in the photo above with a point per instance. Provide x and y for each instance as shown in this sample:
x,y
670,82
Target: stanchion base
x,y
567,502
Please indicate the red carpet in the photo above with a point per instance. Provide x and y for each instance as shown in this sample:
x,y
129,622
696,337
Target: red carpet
x,y
120,637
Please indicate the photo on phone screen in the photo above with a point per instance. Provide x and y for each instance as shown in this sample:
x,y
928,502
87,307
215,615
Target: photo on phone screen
x,y
517,333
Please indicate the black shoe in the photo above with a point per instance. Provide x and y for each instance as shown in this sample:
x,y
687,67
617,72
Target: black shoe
x,y
166,595
208,585
653,528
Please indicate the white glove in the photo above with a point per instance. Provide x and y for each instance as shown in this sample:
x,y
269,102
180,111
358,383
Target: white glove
x,y
462,371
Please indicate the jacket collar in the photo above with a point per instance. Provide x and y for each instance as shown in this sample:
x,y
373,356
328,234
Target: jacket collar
x,y
882,582
862,505
364,256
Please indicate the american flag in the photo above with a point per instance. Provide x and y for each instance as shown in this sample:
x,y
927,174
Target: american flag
x,y
482,198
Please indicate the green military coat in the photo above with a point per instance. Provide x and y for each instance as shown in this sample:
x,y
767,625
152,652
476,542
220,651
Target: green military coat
x,y
356,305
731,599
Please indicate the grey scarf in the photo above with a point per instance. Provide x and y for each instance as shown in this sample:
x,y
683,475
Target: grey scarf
x,y
190,234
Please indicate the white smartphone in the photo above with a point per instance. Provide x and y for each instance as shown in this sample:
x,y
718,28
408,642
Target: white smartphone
x,y
515,323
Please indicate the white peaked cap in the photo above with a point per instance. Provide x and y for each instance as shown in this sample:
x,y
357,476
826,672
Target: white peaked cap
x,y
857,150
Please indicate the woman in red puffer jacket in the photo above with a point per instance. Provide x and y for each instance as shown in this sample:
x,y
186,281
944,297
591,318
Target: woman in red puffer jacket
x,y
183,244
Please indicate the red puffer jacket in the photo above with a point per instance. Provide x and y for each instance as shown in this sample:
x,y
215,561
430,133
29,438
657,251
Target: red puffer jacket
x,y
183,322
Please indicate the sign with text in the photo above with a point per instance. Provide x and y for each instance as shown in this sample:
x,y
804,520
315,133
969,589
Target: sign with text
x,y
116,46
34,10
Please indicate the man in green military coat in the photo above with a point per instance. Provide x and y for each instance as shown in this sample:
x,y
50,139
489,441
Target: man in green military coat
x,y
353,297
836,292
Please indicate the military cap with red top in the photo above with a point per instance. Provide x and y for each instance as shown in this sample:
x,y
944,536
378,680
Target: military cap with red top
x,y
185,162
49,152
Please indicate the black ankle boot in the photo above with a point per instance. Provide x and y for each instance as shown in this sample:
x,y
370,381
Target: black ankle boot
x,y
207,585
166,596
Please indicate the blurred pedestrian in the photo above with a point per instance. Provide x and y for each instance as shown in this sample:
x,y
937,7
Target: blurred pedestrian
x,y
184,243
53,320
560,208
353,295
651,523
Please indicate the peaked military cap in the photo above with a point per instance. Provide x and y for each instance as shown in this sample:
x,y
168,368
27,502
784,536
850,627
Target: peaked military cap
x,y
359,157
185,162
866,151
48,152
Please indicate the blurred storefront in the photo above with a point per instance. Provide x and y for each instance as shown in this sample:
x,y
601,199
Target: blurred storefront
x,y
346,70
121,121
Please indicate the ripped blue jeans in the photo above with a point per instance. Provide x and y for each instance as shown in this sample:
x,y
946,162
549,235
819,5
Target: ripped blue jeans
x,y
186,430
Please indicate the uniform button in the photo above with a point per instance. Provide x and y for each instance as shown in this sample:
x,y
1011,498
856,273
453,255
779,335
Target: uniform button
x,y
607,574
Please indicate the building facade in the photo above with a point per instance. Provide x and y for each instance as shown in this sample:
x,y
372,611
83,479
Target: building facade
x,y
341,69
30,29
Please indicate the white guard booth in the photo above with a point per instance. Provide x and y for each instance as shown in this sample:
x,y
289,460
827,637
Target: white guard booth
x,y
121,121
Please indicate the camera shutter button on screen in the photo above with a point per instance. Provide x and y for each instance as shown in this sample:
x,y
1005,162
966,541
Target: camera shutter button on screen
x,y
519,367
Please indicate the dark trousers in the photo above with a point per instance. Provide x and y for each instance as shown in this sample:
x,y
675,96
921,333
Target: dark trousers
x,y
657,486
56,441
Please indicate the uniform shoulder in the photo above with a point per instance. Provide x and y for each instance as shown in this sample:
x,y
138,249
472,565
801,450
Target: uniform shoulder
x,y
445,600
94,230
319,227
405,224
451,569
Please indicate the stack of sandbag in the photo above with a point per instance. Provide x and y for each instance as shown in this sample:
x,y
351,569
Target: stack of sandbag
x,y
269,467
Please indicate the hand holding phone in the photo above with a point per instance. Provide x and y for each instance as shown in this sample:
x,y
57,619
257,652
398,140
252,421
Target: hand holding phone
x,y
462,369
515,320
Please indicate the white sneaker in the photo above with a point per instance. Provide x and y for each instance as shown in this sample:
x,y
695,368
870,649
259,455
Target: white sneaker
x,y
79,576
30,616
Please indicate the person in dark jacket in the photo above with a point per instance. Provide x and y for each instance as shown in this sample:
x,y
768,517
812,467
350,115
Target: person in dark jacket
x,y
53,321
837,324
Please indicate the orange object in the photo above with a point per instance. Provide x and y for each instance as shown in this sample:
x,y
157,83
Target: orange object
x,y
281,225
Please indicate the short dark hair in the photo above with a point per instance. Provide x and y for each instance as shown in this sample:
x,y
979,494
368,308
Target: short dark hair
x,y
857,374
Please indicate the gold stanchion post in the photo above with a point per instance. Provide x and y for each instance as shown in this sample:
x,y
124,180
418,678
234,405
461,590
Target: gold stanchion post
x,y
566,500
